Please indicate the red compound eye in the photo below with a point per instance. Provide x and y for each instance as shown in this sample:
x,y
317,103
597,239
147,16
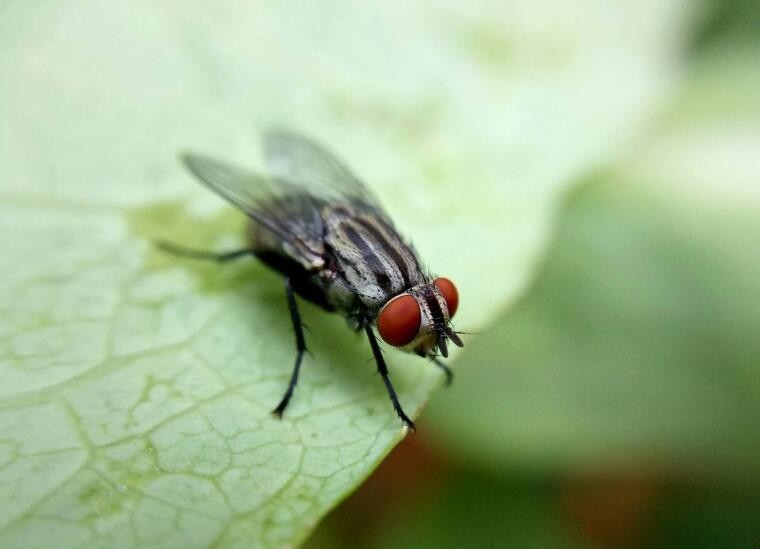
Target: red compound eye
x,y
449,293
399,320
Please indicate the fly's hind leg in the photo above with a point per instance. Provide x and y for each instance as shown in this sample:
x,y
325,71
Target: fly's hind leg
x,y
190,253
383,371
295,317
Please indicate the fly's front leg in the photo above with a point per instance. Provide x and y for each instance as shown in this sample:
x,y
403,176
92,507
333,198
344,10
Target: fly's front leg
x,y
440,364
383,370
446,370
190,253
295,318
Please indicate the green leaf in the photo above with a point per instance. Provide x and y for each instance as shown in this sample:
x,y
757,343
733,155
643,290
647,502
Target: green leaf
x,y
637,343
134,409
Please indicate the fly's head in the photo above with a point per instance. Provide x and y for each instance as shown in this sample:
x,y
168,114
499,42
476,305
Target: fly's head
x,y
419,319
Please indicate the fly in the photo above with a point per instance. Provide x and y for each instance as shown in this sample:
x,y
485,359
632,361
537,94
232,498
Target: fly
x,y
317,225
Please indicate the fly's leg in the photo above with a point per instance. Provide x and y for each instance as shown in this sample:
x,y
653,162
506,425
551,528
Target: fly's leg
x,y
440,364
190,253
295,317
446,370
383,370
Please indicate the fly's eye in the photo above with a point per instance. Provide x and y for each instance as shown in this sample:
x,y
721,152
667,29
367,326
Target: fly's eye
x,y
399,320
449,293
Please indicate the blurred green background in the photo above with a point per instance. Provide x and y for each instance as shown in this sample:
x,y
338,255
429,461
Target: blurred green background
x,y
617,403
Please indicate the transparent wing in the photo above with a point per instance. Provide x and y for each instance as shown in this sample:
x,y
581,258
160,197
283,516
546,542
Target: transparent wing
x,y
302,162
291,214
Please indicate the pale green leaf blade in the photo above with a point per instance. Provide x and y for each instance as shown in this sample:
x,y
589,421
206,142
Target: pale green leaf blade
x,y
136,387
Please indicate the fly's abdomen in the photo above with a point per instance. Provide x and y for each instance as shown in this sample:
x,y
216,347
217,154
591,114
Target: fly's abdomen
x,y
373,258
299,246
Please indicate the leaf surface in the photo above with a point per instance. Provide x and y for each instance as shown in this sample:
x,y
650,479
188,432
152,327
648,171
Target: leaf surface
x,y
134,408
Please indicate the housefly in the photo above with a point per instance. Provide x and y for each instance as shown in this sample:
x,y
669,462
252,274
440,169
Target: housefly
x,y
317,225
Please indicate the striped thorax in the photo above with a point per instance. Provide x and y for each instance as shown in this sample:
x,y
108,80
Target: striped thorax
x,y
375,262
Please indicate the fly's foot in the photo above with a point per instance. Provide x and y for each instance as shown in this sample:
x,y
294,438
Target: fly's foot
x,y
408,423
